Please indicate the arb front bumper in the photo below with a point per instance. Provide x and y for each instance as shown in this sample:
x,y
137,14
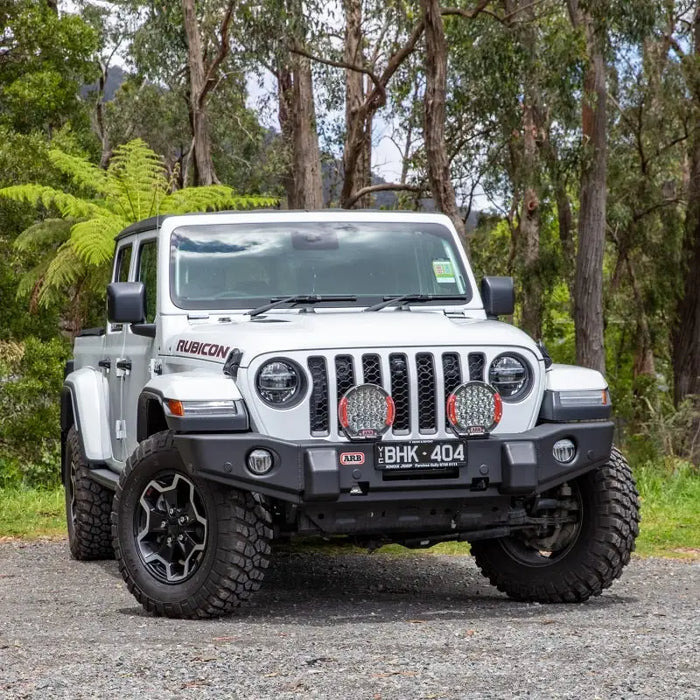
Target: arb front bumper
x,y
314,471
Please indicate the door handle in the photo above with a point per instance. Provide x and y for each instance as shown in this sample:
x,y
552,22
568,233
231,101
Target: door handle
x,y
105,364
124,364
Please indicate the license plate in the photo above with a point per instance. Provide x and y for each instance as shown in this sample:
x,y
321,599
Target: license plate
x,y
437,454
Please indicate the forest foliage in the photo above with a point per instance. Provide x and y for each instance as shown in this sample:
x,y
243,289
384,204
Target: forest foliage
x,y
571,126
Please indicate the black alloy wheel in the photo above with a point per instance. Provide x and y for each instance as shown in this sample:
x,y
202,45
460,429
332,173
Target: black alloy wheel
x,y
171,527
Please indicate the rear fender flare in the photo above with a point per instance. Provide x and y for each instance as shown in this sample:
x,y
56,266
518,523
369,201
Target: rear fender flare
x,y
84,403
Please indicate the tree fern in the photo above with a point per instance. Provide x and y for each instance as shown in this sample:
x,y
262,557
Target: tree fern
x,y
43,235
83,173
93,240
135,186
67,205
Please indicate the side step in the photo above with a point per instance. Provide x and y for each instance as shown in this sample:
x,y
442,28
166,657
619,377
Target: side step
x,y
105,477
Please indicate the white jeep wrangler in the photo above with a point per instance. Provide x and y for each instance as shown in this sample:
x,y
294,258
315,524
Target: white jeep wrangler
x,y
329,373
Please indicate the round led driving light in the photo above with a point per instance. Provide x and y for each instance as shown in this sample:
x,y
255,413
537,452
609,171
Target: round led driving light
x,y
510,376
260,462
366,411
564,450
280,383
474,408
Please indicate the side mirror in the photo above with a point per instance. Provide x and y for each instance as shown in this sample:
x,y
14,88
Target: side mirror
x,y
498,295
126,302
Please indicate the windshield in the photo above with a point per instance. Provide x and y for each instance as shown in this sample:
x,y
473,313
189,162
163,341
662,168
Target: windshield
x,y
239,266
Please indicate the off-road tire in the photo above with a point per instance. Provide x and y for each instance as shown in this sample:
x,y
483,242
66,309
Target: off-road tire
x,y
605,540
236,545
88,506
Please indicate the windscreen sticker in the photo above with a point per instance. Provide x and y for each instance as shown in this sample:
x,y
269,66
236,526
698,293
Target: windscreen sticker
x,y
443,271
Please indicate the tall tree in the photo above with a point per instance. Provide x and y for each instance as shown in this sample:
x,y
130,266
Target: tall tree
x,y
353,55
588,285
434,116
686,332
203,77
297,114
275,36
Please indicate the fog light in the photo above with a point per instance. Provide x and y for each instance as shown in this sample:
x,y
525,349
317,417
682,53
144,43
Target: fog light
x,y
564,450
474,408
260,462
366,412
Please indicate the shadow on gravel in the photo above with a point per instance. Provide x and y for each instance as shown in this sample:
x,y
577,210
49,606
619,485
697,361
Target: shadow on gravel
x,y
321,590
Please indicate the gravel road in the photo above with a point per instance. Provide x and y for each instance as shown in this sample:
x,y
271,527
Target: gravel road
x,y
346,626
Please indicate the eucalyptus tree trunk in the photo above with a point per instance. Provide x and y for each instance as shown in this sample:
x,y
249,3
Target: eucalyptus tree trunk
x,y
434,116
201,81
529,228
588,283
297,117
686,333
527,171
357,175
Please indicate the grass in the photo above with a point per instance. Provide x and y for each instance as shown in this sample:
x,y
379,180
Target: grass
x,y
670,494
31,513
670,509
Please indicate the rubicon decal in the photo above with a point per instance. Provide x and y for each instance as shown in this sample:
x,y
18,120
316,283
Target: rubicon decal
x,y
194,347
352,458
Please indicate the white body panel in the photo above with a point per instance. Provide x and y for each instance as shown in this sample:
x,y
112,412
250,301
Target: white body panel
x,y
570,377
195,385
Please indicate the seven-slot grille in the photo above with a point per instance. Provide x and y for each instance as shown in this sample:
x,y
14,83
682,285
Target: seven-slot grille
x,y
435,377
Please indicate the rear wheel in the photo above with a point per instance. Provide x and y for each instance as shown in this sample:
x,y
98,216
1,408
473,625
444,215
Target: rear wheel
x,y
88,506
186,547
580,557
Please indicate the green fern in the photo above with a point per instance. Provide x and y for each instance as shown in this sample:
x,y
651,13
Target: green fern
x,y
78,247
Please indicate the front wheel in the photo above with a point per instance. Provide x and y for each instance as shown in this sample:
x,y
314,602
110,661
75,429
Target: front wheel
x,y
576,560
186,547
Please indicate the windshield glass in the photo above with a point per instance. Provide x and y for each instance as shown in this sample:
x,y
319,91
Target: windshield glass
x,y
239,266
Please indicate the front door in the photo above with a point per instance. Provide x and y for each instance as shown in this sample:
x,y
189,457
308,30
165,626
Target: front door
x,y
115,336
138,349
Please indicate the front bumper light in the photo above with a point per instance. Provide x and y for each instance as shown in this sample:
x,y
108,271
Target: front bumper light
x,y
183,409
575,405
587,397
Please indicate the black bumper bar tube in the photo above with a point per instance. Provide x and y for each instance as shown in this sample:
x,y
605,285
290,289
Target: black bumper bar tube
x,y
314,471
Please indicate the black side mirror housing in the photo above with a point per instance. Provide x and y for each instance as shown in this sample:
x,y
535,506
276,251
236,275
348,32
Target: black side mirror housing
x,y
498,295
126,302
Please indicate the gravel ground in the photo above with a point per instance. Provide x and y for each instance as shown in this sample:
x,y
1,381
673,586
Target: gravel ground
x,y
346,626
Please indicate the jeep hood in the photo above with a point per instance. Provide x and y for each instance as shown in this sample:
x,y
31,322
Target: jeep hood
x,y
288,332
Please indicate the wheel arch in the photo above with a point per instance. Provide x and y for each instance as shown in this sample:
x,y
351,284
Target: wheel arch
x,y
150,416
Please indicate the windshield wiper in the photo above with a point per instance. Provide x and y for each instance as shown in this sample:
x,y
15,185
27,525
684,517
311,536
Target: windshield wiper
x,y
299,299
407,298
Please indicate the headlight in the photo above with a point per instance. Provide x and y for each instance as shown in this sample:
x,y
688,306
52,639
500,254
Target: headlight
x,y
280,383
510,376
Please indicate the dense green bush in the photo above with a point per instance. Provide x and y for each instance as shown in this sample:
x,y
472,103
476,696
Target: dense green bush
x,y
31,374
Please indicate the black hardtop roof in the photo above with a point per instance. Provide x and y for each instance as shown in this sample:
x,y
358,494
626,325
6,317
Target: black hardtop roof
x,y
154,222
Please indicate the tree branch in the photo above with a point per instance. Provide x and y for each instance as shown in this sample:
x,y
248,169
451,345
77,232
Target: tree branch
x,y
383,187
336,64
209,81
